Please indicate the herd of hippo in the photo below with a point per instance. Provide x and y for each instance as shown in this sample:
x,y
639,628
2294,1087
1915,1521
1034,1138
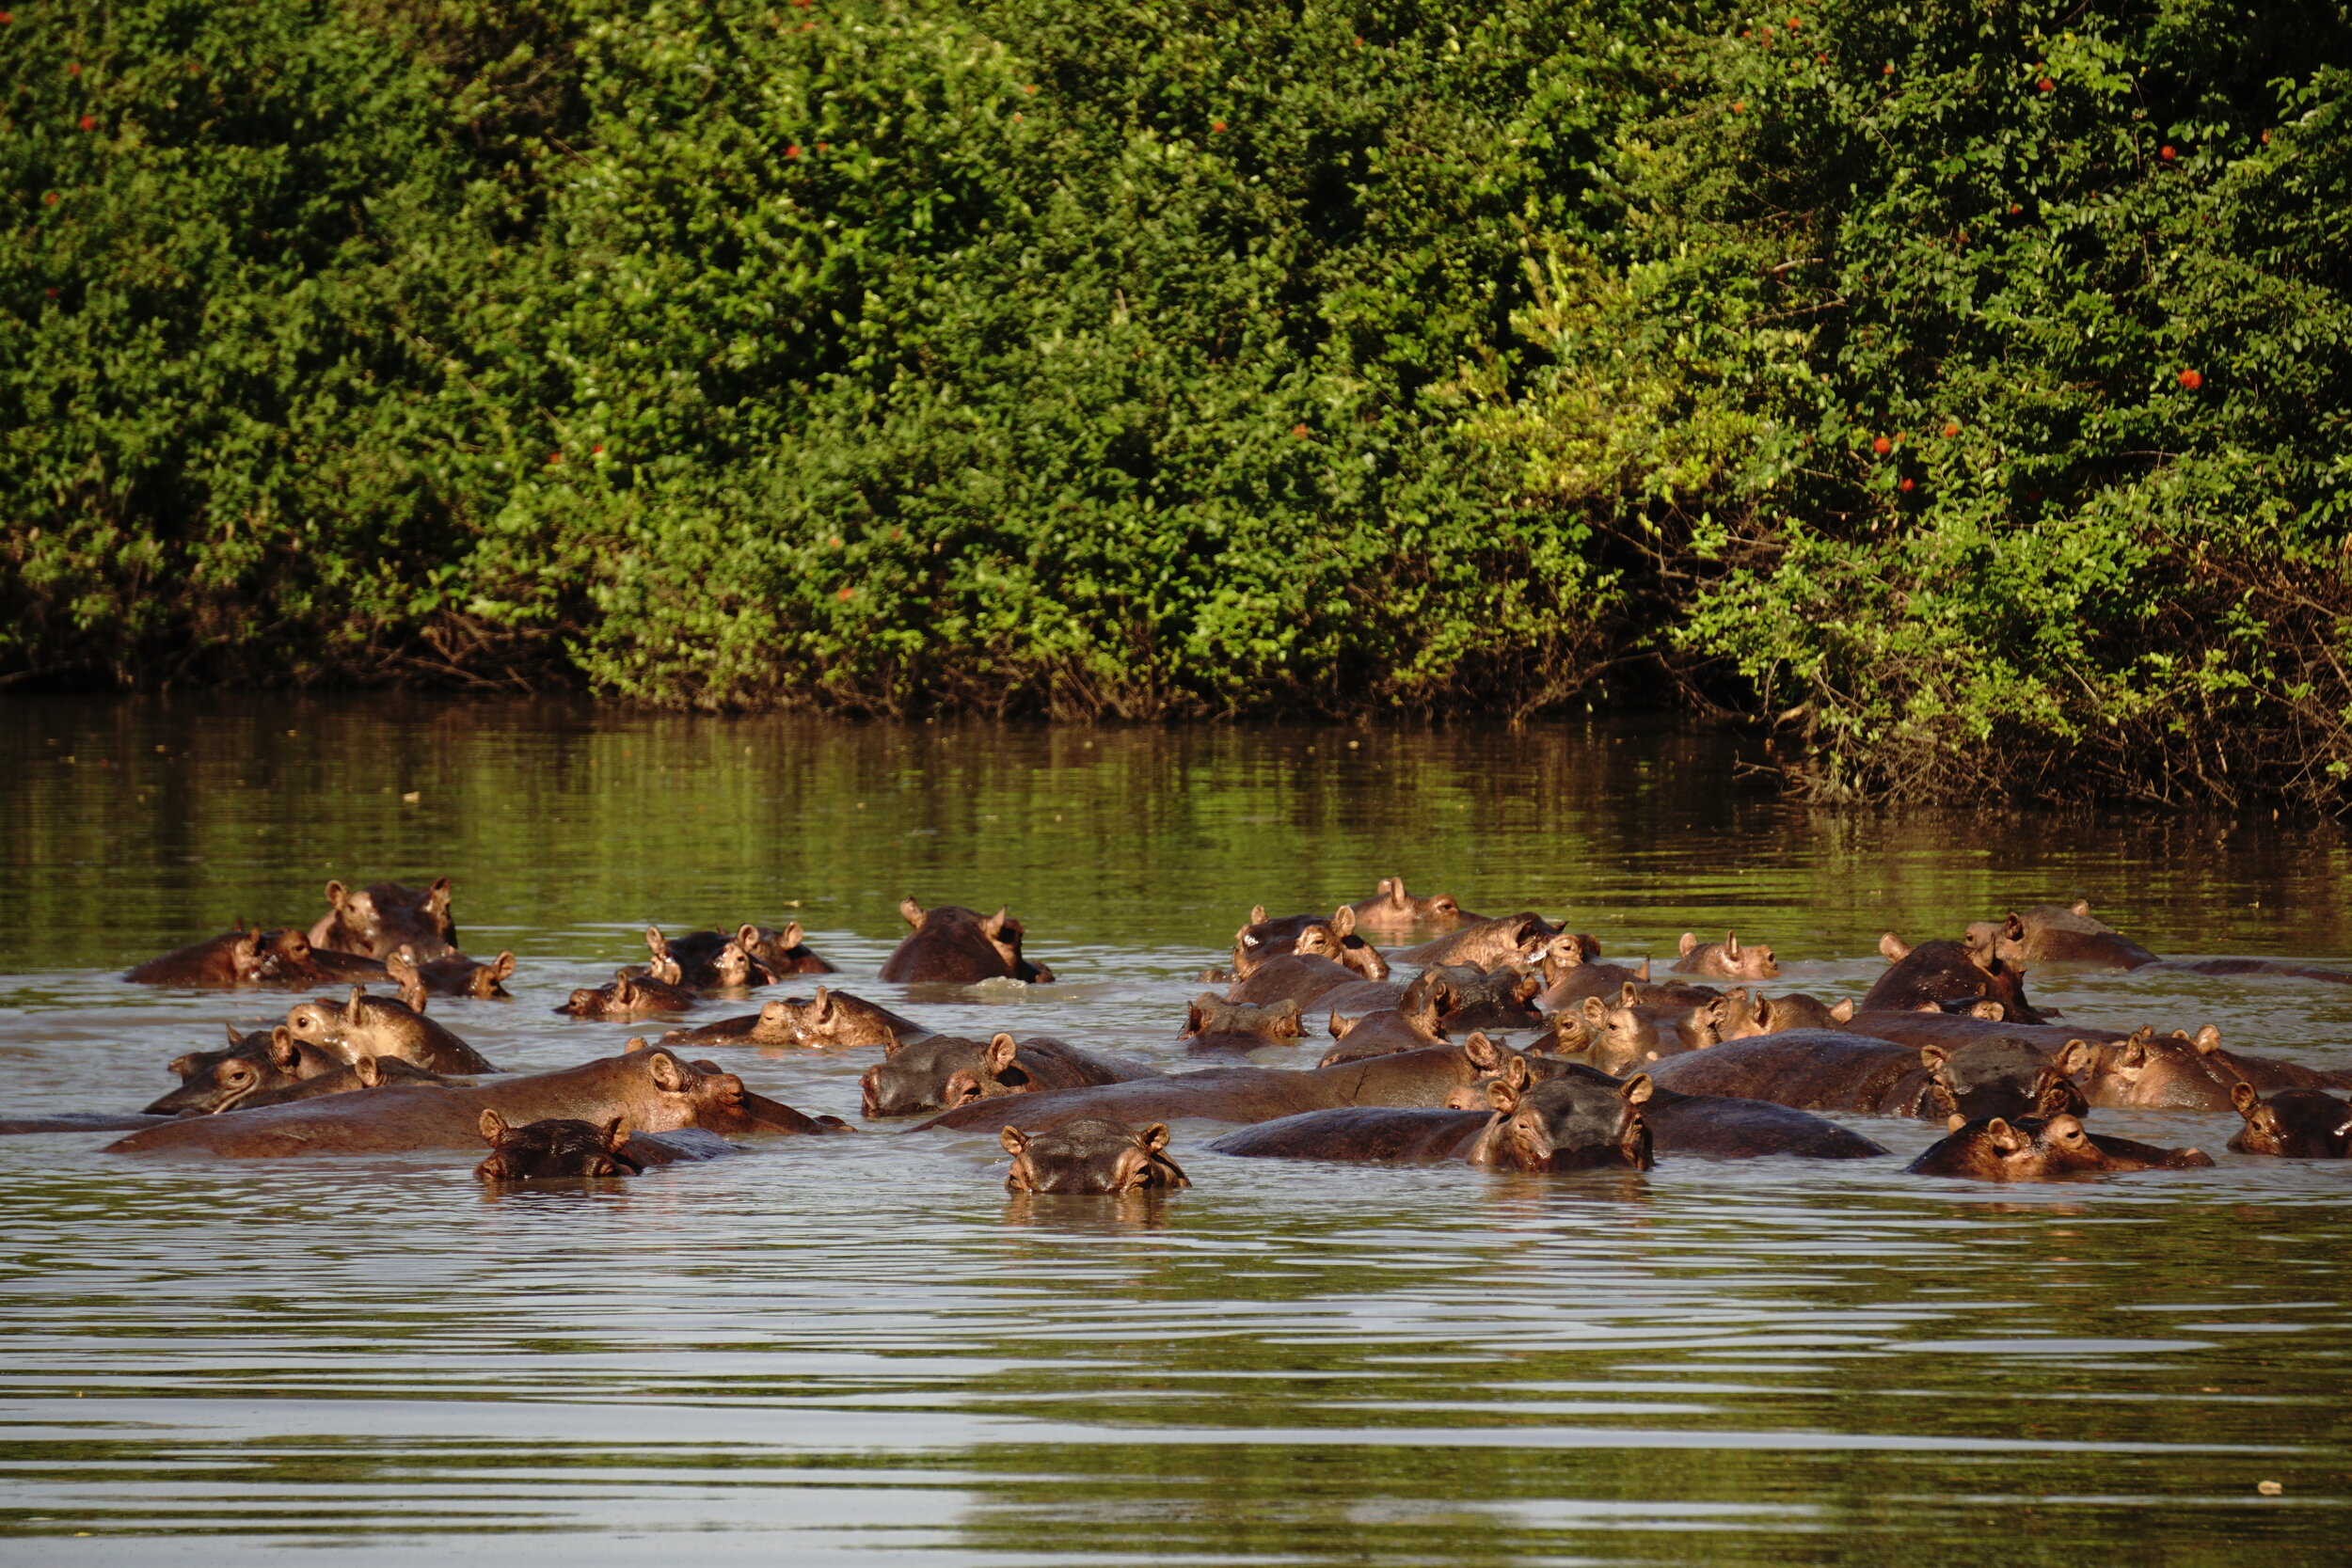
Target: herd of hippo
x,y
1503,1042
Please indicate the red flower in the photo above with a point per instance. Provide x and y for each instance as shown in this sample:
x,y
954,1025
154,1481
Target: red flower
x,y
2014,209
1823,58
1217,125
1906,487
792,151
595,451
1792,23
1738,106
1300,431
2192,379
1030,89
2166,153
52,288
89,123
1887,70
51,199
824,147
73,70
2265,138
2046,85
553,458
1881,446
846,594
7,17
1952,427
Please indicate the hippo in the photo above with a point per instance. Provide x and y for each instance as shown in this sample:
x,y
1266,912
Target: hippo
x,y
362,1072
1615,1037
1569,972
654,1089
1502,997
1706,1126
956,946
1214,1025
2057,934
1331,937
383,1026
2041,1148
560,1148
695,963
80,1122
378,920
1364,996
451,974
289,958
1796,1009
782,953
833,1020
2293,1124
1566,1123
1290,977
1936,1027
1245,1094
948,1070
624,997
2184,1072
1377,1034
1725,959
1392,912
1826,1070
1483,943
255,1063
230,959
1091,1157
1943,971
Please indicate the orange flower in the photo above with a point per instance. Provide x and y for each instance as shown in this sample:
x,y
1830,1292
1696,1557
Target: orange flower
x,y
2192,379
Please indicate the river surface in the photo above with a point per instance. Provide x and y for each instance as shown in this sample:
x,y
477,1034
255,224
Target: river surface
x,y
862,1350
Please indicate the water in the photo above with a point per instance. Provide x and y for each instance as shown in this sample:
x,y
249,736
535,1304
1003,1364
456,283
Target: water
x,y
863,1350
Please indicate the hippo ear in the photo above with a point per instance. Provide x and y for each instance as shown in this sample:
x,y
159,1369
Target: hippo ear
x,y
999,1054
1933,1057
284,1053
1731,944
747,937
1340,1026
1483,1054
1595,1012
1988,1009
1637,1089
235,1039
1843,1012
1642,971
2074,1058
1954,1122
993,926
493,1128
502,967
2014,928
1892,947
1257,914
1193,1016
1690,940
892,1044
793,934
1343,922
2005,1138
911,912
336,895
616,1133
636,1044
1014,1139
1502,1096
1627,995
2081,907
369,1071
1152,1139
657,944
1763,1013
668,1073
2208,1040
2243,1099
821,1011
437,897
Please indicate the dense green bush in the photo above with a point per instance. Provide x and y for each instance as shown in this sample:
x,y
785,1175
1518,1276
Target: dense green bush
x,y
1027,356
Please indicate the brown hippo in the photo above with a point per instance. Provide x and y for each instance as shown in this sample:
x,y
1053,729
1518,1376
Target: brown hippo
x,y
1942,971
1392,912
257,1063
2042,1148
653,1088
1422,1077
362,1072
1823,1070
946,1071
956,946
624,997
1090,1158
2184,1072
230,959
1502,997
1771,1015
451,974
1377,1034
1725,959
560,1148
1708,1126
378,920
1484,943
2055,934
782,953
2294,1124
383,1026
1570,974
1214,1025
1936,1027
1331,937
692,964
832,1021
1290,977
1615,1037
1566,1123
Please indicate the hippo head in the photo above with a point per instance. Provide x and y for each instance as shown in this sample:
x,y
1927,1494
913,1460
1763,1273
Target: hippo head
x,y
1731,1016
554,1147
1797,1010
1616,1037
323,1023
1211,1014
215,1080
1565,1123
2294,1124
819,1024
2176,1071
376,920
1091,1157
666,1093
1727,959
2038,1149
935,1074
734,968
2004,1076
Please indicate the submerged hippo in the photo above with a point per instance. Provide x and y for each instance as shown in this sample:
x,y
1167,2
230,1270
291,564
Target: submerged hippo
x,y
1295,977
1568,1123
451,974
624,997
783,952
1502,997
1090,1158
2293,1124
1392,912
2042,1148
832,1021
378,920
1725,959
1705,1126
1817,1070
1389,1029
1331,937
558,1148
1570,973
1943,971
259,1063
693,963
239,958
956,946
2056,934
1214,1025
360,1073
2184,1072
1484,943
946,1071
653,1088
383,1026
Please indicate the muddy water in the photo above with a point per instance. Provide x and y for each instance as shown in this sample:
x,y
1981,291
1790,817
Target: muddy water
x,y
862,1350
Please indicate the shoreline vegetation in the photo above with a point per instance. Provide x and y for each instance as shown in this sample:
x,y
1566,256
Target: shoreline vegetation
x,y
1959,393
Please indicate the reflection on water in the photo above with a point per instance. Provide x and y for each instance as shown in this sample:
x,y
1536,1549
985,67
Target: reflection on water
x,y
864,1349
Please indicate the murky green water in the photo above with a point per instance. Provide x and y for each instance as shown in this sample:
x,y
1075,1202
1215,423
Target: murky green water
x,y
862,1350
